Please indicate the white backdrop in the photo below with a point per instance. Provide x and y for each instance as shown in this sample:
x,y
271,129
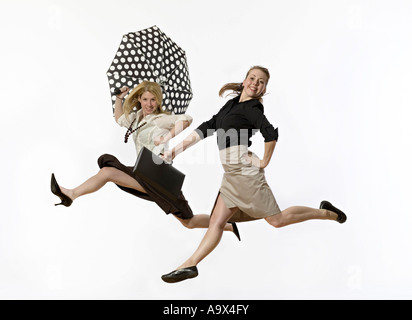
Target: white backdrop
x,y
339,93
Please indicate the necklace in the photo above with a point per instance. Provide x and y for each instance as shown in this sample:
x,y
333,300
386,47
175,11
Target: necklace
x,y
130,131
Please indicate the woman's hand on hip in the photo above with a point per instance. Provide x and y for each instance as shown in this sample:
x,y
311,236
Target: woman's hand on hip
x,y
252,160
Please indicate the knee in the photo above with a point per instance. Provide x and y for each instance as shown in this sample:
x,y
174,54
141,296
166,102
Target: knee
x,y
106,173
187,223
217,223
275,221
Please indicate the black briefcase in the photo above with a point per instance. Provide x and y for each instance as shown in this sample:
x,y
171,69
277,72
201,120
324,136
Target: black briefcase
x,y
159,174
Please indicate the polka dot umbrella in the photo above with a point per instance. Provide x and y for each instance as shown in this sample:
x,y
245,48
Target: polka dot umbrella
x,y
151,55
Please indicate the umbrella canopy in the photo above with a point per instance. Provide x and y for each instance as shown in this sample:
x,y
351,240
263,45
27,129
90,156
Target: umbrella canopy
x,y
151,55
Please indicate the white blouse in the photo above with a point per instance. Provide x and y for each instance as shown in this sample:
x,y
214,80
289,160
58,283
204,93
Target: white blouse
x,y
153,125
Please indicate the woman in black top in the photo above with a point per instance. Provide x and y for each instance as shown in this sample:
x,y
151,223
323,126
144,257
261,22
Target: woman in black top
x,y
244,194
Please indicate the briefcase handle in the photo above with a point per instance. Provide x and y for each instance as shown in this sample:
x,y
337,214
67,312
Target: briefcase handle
x,y
162,154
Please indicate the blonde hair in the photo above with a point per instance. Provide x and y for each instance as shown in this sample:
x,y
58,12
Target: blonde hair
x,y
132,100
237,87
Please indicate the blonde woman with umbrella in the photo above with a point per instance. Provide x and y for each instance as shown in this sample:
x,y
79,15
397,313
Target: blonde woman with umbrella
x,y
151,128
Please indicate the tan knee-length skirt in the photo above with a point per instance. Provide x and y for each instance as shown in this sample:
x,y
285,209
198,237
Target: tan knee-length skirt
x,y
245,187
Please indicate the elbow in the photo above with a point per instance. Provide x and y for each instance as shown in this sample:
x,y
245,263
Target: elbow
x,y
118,118
264,163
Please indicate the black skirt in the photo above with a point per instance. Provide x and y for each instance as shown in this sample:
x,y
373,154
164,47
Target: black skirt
x,y
179,208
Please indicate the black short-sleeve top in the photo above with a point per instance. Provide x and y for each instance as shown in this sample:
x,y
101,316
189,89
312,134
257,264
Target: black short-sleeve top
x,y
237,122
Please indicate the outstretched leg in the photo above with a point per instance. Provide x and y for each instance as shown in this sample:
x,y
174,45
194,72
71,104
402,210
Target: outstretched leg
x,y
105,174
201,221
218,221
220,217
298,214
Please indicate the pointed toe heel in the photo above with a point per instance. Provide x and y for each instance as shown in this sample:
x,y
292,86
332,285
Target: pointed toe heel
x,y
235,230
55,189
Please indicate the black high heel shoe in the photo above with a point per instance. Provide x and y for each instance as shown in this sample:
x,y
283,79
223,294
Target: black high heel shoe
x,y
235,230
55,189
328,206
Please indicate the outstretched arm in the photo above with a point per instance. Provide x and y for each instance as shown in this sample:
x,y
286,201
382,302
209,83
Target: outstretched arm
x,y
189,141
204,130
178,128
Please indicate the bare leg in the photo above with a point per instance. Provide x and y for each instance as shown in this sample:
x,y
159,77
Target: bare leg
x,y
222,214
298,214
200,221
218,221
105,175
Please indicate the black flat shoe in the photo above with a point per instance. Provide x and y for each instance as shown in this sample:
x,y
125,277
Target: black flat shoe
x,y
235,230
328,206
180,275
55,189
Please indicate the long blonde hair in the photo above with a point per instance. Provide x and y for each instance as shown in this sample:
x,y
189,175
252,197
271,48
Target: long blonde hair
x,y
237,87
132,102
